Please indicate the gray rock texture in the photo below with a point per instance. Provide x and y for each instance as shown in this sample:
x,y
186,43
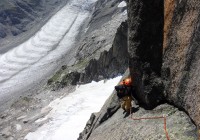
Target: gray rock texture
x,y
181,56
161,74
112,62
119,127
111,123
164,57
145,38
169,33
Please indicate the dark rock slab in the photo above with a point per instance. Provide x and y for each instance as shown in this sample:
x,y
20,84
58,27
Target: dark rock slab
x,y
145,39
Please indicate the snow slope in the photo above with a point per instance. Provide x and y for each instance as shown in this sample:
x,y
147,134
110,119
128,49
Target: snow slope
x,y
70,114
30,62
122,4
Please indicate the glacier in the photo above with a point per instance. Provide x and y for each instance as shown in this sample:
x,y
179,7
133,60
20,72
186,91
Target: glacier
x,y
28,64
70,114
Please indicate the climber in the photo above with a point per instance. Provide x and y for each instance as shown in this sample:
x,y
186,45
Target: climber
x,y
125,94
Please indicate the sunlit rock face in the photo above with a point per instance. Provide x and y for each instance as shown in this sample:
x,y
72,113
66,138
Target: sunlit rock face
x,y
181,55
163,46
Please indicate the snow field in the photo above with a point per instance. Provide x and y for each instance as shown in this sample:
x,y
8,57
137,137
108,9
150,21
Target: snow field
x,y
70,114
35,59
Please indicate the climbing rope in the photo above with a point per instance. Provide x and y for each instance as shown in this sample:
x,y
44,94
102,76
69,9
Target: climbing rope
x,y
161,117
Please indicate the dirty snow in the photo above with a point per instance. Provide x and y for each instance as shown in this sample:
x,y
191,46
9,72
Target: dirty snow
x,y
70,114
122,4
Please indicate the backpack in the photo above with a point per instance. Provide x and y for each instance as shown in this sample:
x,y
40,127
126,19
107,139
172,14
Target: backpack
x,y
123,90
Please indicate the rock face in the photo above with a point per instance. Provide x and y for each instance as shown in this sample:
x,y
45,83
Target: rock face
x,y
163,40
178,39
163,59
110,63
181,56
109,108
145,21
24,17
101,50
119,127
111,123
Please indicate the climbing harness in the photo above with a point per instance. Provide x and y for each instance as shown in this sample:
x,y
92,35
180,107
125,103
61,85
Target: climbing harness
x,y
150,118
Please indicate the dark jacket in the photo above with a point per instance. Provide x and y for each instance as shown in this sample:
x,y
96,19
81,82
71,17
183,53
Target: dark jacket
x,y
123,90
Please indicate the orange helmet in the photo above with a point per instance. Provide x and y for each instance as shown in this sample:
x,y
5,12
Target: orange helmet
x,y
127,82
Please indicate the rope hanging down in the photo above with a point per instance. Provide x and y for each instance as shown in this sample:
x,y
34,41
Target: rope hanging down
x,y
149,118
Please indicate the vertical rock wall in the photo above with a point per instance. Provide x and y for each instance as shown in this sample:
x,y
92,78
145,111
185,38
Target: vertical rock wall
x,y
171,27
145,39
110,63
181,61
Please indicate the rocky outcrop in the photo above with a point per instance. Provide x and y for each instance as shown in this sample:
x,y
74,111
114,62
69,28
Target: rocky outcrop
x,y
178,39
145,21
110,63
180,52
59,80
98,55
112,124
101,29
119,127
164,58
181,56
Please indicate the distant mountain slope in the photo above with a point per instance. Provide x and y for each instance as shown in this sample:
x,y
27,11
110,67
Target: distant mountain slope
x,y
23,18
99,49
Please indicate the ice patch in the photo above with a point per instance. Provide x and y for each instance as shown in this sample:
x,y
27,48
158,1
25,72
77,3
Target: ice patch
x,y
70,114
124,13
122,4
